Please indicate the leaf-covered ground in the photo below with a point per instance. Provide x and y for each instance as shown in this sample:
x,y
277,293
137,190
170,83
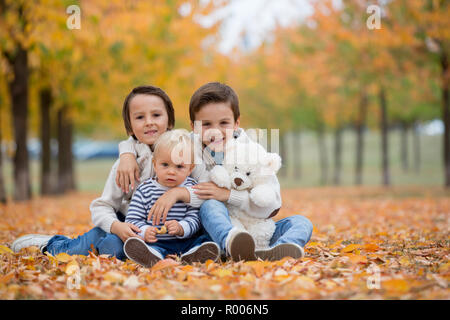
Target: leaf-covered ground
x,y
368,243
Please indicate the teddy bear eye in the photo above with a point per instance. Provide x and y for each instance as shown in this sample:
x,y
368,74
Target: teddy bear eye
x,y
235,168
248,173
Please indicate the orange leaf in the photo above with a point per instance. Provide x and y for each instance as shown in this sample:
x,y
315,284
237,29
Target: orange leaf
x,y
371,247
399,285
165,263
63,257
350,248
354,258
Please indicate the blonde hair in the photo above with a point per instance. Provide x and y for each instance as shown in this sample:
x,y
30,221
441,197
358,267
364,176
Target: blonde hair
x,y
179,142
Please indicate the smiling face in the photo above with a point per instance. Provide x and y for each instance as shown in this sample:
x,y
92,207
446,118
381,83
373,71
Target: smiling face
x,y
172,171
215,122
148,118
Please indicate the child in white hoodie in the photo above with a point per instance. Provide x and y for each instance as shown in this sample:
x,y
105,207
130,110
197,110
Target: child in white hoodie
x,y
147,113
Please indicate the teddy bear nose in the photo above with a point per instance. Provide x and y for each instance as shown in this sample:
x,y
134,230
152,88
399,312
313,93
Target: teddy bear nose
x,y
238,181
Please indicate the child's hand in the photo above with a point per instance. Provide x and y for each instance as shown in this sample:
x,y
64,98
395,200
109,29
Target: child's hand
x,y
124,230
150,235
209,190
161,207
127,172
174,228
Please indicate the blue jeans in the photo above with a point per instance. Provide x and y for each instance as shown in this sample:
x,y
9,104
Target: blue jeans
x,y
216,221
103,242
179,246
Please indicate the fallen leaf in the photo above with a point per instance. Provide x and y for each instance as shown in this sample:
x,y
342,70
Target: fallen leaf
x,y
4,249
165,263
350,248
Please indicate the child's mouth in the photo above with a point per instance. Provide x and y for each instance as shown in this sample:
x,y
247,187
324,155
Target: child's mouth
x,y
150,132
214,141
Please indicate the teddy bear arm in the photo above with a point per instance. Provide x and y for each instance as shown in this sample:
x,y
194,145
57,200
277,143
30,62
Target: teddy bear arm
x,y
263,195
220,177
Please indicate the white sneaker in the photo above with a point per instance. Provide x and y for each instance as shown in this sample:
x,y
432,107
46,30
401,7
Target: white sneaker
x,y
28,240
206,251
240,245
280,251
138,251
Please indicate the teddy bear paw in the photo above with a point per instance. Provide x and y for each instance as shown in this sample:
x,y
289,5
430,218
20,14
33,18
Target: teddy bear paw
x,y
262,196
220,177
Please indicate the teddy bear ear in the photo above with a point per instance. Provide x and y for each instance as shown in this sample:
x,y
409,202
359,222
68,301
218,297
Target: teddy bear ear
x,y
272,162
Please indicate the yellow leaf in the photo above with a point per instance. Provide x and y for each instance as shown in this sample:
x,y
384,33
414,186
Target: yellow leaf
x,y
114,277
63,257
222,273
336,244
350,248
404,261
72,267
4,249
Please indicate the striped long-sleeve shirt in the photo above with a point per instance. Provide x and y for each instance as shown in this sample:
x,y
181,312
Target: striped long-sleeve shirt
x,y
144,198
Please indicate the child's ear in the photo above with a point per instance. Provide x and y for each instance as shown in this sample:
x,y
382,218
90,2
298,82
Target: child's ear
x,y
237,122
192,126
191,168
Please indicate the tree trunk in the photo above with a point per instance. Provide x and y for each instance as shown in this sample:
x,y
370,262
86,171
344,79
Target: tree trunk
x,y
404,146
18,89
66,179
298,155
416,147
337,155
360,125
323,159
46,177
446,115
2,181
384,138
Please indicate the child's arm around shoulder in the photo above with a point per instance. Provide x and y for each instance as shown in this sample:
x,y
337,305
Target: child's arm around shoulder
x,y
103,209
128,170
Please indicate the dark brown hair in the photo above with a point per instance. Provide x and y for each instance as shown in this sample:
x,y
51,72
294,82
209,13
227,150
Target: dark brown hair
x,y
213,92
150,90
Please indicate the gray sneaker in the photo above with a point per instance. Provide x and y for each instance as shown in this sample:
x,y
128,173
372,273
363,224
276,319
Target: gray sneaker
x,y
240,245
280,251
206,251
138,251
29,240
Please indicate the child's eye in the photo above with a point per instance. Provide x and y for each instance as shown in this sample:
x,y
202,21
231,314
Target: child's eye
x,y
164,164
139,117
224,122
156,115
180,166
205,124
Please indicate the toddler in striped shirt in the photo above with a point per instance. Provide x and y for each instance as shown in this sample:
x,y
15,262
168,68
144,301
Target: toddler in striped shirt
x,y
179,233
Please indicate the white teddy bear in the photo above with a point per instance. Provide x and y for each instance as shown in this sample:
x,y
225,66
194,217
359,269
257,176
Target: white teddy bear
x,y
247,166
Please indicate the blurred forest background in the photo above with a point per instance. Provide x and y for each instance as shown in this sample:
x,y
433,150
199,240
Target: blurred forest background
x,y
360,93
